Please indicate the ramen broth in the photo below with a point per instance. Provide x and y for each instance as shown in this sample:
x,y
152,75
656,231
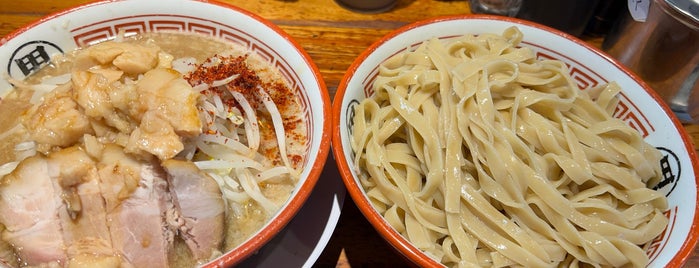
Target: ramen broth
x,y
192,53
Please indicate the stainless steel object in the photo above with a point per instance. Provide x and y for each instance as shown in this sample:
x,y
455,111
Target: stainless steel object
x,y
664,52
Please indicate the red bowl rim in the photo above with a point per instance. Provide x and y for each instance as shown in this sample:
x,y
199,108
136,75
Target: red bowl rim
x,y
276,224
397,240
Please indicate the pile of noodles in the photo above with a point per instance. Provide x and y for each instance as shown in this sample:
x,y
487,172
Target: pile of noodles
x,y
481,155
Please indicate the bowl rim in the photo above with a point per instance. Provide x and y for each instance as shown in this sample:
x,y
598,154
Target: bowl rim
x,y
296,200
401,244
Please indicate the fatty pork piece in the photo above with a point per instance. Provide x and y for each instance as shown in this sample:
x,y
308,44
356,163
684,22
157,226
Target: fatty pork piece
x,y
167,110
94,91
131,58
136,216
29,205
154,136
199,201
167,93
57,121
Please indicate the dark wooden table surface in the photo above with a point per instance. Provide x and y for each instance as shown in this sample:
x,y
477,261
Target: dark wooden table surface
x,y
333,37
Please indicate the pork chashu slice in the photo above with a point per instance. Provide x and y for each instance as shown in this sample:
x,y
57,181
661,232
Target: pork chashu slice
x,y
199,202
137,199
83,221
54,212
30,205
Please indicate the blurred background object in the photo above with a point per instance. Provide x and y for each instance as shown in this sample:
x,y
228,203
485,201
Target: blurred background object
x,y
663,51
367,6
605,15
570,16
576,17
496,7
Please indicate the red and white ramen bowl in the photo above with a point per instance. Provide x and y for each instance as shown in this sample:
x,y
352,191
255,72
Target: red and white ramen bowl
x,y
640,107
87,24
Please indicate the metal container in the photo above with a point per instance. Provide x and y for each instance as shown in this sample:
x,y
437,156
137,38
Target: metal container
x,y
664,52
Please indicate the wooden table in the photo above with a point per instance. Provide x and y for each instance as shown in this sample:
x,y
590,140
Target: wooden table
x,y
333,36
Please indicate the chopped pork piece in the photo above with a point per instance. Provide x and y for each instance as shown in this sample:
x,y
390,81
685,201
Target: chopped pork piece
x,y
70,166
124,98
92,91
30,205
198,198
57,121
118,174
106,52
130,58
154,136
111,75
137,224
167,93
137,59
167,111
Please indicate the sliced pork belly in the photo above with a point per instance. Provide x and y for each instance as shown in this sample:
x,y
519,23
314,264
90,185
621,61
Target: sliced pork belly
x,y
136,220
118,211
30,205
199,201
84,221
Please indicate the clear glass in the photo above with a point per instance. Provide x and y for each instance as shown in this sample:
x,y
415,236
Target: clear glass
x,y
497,7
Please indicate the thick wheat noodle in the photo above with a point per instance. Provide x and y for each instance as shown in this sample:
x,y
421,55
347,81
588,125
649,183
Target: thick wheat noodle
x,y
482,155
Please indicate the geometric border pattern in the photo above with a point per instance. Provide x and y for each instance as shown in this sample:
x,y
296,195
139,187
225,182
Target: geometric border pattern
x,y
586,77
654,248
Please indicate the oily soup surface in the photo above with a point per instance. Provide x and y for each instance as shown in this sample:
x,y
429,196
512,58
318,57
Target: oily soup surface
x,y
241,103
